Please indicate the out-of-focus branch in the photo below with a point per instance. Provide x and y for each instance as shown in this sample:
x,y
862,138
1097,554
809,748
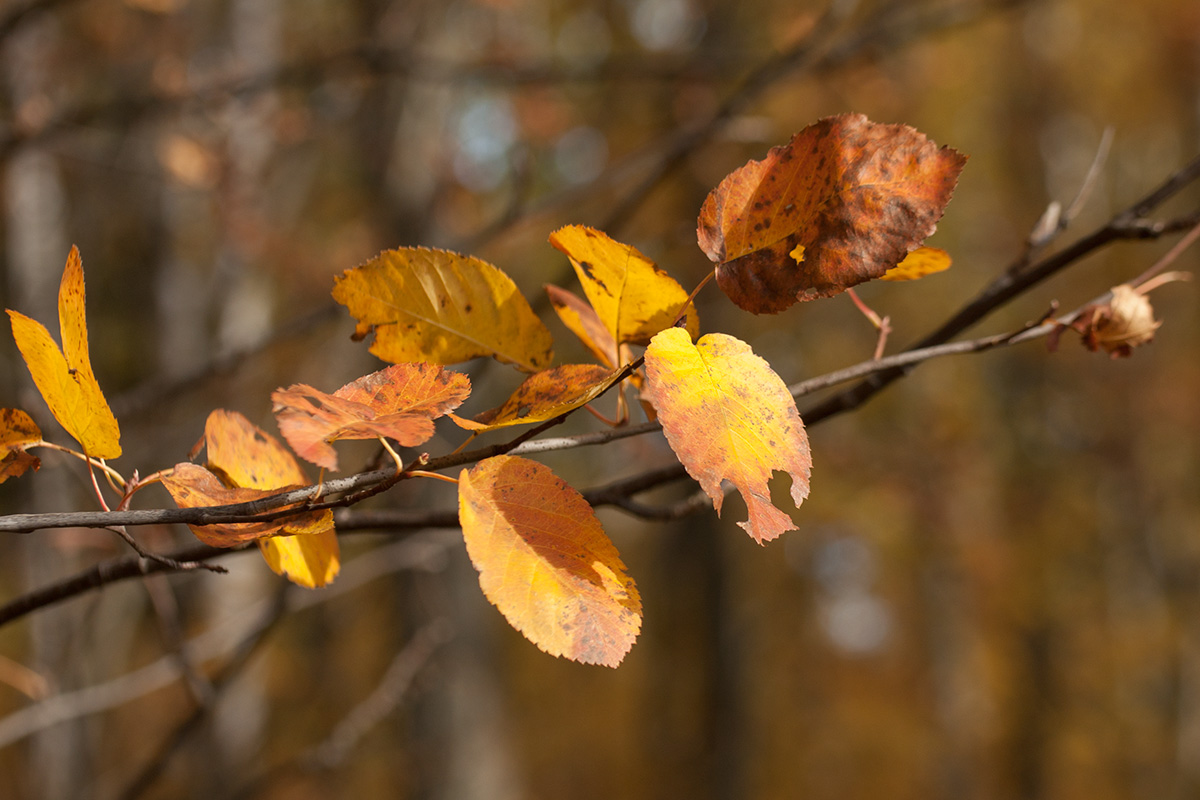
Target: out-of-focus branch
x,y
421,553
12,21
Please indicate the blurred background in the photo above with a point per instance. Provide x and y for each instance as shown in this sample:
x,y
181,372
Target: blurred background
x,y
994,591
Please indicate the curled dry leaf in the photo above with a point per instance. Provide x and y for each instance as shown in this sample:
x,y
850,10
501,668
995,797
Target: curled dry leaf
x,y
442,307
64,377
843,202
632,297
18,431
1123,323
545,562
544,395
399,402
728,416
193,486
245,456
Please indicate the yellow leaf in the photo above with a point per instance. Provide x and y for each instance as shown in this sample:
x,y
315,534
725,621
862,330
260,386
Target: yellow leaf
x,y
728,416
311,560
544,561
251,458
917,264
64,377
632,297
17,432
442,307
581,320
544,395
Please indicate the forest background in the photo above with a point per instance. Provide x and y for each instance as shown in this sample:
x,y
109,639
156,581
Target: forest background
x,y
995,585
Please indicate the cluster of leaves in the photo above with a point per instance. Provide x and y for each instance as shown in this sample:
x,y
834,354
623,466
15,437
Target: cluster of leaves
x,y
845,201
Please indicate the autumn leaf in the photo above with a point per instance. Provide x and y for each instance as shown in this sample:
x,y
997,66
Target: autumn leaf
x,y
247,457
545,395
545,562
64,377
442,307
399,402
917,264
581,320
193,486
728,416
843,202
18,431
633,298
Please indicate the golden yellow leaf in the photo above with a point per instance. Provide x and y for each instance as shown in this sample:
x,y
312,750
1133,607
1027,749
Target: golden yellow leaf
x,y
545,562
310,560
728,416
544,395
17,432
64,377
246,456
917,264
581,320
632,297
442,307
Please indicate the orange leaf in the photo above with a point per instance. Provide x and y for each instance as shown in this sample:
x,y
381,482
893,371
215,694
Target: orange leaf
x,y
580,318
917,264
632,297
399,402
843,202
193,486
17,432
544,395
248,457
442,307
544,561
728,416
64,377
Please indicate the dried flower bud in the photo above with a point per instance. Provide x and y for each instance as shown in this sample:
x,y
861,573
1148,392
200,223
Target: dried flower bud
x,y
1125,322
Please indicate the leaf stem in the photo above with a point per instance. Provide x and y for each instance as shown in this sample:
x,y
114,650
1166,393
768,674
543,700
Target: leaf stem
x,y
112,474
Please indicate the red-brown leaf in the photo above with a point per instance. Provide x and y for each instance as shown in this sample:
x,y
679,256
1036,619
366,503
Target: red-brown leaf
x,y
843,202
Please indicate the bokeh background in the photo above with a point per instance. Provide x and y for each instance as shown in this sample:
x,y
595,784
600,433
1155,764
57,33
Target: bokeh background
x,y
994,591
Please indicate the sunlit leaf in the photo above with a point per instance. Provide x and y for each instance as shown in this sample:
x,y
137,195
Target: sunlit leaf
x,y
843,202
399,402
632,297
310,560
545,562
917,264
728,416
442,307
544,395
18,431
248,457
580,318
64,377
193,486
